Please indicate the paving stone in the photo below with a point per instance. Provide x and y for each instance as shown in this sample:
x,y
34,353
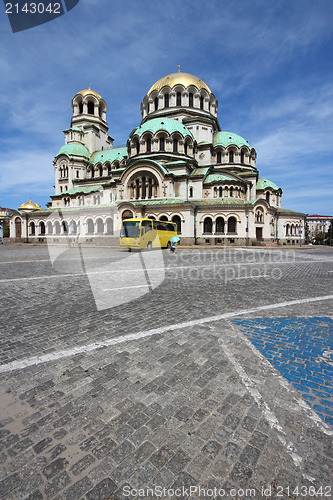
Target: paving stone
x,y
77,490
161,456
54,467
179,461
103,489
82,464
57,484
121,452
104,448
9,483
144,452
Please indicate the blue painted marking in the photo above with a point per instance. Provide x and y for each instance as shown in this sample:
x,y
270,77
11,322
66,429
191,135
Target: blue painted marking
x,y
295,347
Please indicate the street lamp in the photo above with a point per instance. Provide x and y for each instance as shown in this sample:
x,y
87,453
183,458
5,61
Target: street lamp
x,y
247,230
300,232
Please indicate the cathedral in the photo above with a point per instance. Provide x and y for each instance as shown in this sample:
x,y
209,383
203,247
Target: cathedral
x,y
178,165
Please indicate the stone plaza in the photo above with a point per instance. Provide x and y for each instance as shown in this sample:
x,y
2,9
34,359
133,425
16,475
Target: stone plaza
x,y
213,379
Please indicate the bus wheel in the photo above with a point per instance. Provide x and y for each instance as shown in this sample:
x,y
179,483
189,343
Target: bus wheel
x,y
129,249
149,246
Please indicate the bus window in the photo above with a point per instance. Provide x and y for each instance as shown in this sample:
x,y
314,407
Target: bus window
x,y
146,224
171,227
130,229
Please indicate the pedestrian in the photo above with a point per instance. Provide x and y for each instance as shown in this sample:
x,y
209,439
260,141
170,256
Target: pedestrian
x,y
174,240
1,235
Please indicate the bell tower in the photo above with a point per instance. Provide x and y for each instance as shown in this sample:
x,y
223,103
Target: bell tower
x,y
89,116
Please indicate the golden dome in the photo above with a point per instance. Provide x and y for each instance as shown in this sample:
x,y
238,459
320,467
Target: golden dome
x,y
180,78
29,205
89,92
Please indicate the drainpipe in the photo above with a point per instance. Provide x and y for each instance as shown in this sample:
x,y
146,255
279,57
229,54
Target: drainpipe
x,y
195,224
277,227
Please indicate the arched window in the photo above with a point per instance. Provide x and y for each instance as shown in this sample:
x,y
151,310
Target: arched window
x,y
137,188
166,100
190,100
92,172
49,227
231,192
109,170
201,102
101,171
232,225
42,227
220,192
287,229
259,216
185,147
81,108
208,225
175,146
242,156
144,187
162,144
156,103
231,156
178,221
127,214
191,192
267,196
163,217
100,226
109,225
32,229
220,225
73,227
57,227
137,147
219,157
90,226
91,108
148,142
65,227
150,187
179,99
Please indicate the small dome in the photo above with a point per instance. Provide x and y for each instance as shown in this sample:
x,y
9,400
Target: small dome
x,y
229,138
168,124
74,149
29,205
265,183
179,78
89,92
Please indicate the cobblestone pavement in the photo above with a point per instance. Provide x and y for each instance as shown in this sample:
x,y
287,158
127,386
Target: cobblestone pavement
x,y
184,387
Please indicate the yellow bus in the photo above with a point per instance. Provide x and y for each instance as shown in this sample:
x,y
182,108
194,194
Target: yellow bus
x,y
146,233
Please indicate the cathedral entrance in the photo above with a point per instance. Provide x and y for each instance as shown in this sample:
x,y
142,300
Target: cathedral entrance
x,y
259,233
18,228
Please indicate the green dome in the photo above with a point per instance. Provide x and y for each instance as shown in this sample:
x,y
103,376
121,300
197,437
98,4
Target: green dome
x,y
109,155
74,149
229,138
264,183
167,124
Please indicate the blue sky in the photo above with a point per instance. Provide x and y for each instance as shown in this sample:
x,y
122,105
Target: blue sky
x,y
269,63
